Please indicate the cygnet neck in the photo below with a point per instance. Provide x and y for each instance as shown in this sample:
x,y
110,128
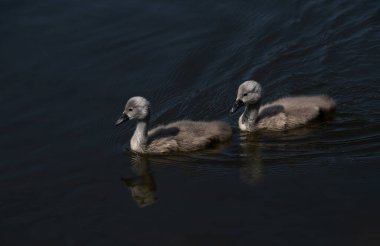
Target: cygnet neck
x,y
139,139
251,113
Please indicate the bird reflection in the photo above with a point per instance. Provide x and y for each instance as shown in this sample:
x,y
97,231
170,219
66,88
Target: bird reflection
x,y
278,144
142,186
252,171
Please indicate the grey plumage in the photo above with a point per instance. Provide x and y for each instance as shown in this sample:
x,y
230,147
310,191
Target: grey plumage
x,y
282,114
180,136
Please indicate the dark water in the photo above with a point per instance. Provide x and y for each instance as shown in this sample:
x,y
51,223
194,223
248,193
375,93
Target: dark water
x,y
68,67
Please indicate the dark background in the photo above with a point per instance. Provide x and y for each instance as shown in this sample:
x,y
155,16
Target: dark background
x,y
68,67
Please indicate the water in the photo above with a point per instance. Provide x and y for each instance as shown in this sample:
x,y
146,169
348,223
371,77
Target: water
x,y
68,67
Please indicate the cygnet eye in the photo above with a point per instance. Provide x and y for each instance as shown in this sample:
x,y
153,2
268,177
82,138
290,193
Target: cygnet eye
x,y
130,109
245,94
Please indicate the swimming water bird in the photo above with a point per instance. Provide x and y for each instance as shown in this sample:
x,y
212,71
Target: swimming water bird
x,y
282,114
180,136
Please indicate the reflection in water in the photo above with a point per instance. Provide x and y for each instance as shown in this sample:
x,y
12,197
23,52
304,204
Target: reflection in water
x,y
252,171
142,186
280,143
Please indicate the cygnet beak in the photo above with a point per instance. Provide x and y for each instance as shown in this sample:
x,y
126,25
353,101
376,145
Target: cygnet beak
x,y
236,106
122,119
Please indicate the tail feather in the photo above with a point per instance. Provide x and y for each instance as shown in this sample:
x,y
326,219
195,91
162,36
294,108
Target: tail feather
x,y
326,104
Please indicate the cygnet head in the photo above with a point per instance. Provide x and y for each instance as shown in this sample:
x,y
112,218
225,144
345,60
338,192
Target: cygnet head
x,y
249,92
136,108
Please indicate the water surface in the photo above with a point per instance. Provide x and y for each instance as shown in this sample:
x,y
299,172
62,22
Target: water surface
x,y
68,67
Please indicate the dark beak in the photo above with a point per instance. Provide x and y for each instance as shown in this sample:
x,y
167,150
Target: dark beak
x,y
122,118
236,106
